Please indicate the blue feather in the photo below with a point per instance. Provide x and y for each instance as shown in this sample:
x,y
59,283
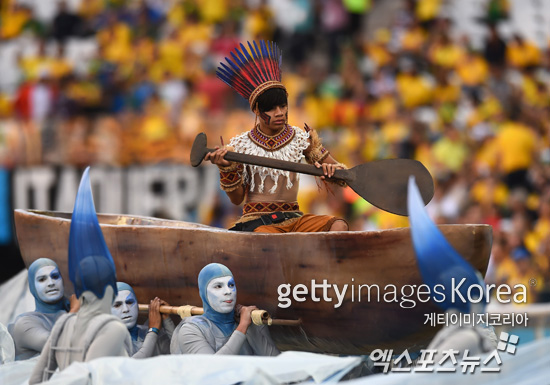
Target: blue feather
x,y
237,60
270,49
264,49
253,51
223,77
245,51
243,59
257,50
227,72
235,67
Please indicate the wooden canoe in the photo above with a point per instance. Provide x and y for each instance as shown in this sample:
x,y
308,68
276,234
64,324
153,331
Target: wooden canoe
x,y
163,258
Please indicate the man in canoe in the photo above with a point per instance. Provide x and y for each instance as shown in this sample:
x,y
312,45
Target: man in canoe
x,y
270,194
216,332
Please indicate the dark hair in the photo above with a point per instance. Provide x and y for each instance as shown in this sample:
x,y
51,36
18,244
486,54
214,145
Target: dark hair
x,y
271,98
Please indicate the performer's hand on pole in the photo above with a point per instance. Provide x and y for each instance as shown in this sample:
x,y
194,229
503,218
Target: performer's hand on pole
x,y
155,320
245,314
164,303
328,169
216,157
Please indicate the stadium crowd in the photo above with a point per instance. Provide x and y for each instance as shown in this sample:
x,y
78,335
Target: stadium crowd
x,y
479,120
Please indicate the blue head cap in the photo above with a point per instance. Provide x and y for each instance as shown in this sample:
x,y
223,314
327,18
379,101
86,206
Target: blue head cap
x,y
124,286
225,321
41,306
437,260
91,267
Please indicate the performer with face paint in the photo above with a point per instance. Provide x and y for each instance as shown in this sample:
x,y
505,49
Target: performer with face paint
x,y
147,341
270,195
439,263
31,330
216,332
92,332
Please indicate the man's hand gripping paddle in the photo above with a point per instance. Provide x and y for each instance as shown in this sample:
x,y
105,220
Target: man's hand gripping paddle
x,y
383,183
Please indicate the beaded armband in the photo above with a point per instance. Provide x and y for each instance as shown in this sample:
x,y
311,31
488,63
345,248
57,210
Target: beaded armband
x,y
316,152
231,177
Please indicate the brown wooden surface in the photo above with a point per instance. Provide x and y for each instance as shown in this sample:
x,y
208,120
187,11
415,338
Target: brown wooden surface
x,y
163,258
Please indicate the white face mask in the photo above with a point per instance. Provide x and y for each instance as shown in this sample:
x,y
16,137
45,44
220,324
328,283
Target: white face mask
x,y
125,307
49,284
222,294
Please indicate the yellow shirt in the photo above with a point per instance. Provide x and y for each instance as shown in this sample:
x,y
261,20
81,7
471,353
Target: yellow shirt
x,y
531,92
383,108
487,156
35,66
450,153
413,90
473,71
60,67
144,51
171,56
447,93
212,11
378,54
394,131
522,55
488,109
90,8
448,55
516,145
427,9
257,24
413,39
505,270
194,36
485,192
12,23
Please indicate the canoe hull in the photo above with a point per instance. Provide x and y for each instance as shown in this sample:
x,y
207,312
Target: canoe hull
x,y
163,258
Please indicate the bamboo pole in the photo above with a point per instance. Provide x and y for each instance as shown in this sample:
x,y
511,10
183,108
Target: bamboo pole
x,y
259,317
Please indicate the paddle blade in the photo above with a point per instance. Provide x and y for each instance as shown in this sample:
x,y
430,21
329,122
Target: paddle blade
x,y
383,183
198,151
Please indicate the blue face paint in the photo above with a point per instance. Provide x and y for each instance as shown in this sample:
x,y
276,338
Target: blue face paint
x,y
231,284
224,321
91,267
438,261
41,305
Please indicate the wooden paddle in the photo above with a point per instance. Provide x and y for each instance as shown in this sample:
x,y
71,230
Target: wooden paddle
x,y
381,182
259,317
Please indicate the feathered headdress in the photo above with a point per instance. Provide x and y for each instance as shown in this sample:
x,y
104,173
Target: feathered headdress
x,y
252,73
439,263
91,266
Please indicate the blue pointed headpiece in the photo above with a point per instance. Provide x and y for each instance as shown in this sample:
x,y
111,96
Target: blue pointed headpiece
x,y
91,267
438,261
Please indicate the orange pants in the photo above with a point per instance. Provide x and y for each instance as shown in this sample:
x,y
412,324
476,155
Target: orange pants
x,y
307,223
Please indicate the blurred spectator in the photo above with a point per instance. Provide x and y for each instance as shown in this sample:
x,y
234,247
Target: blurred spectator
x,y
65,23
495,49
